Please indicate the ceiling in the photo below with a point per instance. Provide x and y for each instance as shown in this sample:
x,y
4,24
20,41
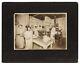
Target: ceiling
x,y
42,16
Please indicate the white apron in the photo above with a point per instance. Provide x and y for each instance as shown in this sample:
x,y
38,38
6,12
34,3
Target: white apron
x,y
28,39
53,32
19,39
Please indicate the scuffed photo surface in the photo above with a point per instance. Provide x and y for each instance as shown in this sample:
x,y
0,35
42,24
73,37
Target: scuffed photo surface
x,y
40,31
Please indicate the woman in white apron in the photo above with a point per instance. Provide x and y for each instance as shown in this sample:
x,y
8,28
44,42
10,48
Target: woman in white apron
x,y
19,39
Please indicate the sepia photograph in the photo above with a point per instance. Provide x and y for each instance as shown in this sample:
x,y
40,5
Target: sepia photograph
x,y
40,31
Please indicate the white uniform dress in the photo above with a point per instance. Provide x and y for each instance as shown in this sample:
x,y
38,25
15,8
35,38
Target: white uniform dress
x,y
19,39
53,32
28,38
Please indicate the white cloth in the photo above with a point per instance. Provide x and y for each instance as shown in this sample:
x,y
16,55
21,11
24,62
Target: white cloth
x,y
46,38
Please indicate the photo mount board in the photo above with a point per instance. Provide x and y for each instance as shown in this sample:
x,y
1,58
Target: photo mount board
x,y
43,19
10,55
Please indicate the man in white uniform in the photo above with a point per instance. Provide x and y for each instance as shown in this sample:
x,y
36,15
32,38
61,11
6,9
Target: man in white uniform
x,y
53,32
28,38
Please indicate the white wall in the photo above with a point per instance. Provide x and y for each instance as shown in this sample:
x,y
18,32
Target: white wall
x,y
63,25
23,19
36,22
48,22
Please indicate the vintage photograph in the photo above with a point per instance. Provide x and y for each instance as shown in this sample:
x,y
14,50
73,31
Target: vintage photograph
x,y
40,31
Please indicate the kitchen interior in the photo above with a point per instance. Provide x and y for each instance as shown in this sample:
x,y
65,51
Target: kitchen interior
x,y
43,23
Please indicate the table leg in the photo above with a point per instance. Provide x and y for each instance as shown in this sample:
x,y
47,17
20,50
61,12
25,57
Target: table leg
x,y
51,46
45,47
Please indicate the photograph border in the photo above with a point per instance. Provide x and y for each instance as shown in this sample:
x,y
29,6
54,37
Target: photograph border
x,y
9,55
40,13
